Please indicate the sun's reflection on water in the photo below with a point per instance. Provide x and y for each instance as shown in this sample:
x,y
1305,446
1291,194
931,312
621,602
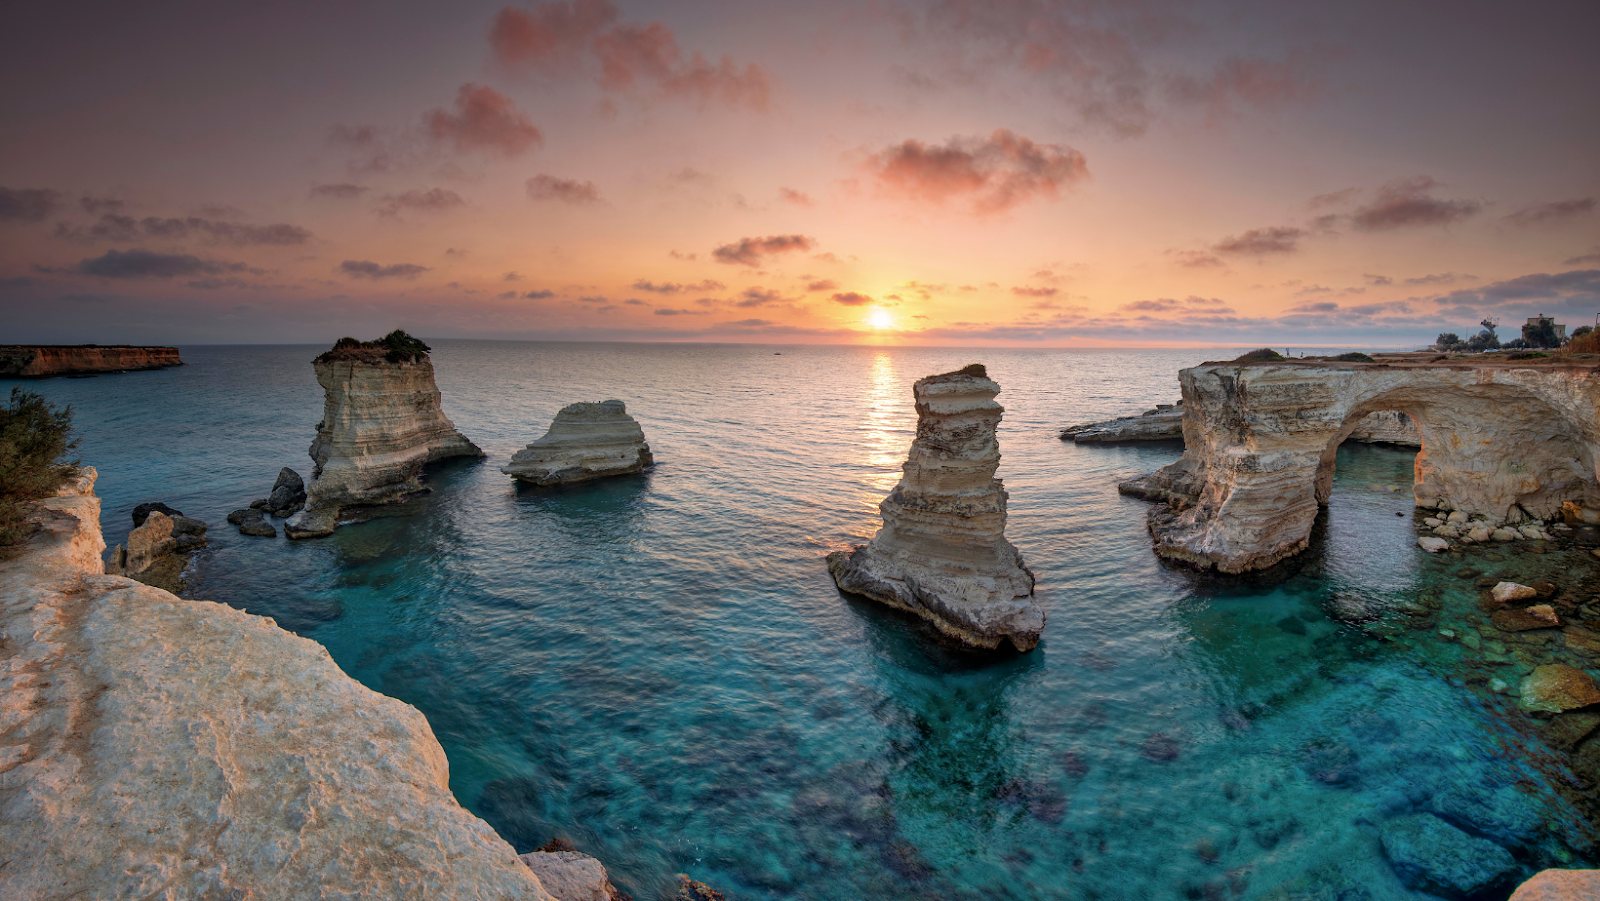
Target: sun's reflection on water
x,y
885,427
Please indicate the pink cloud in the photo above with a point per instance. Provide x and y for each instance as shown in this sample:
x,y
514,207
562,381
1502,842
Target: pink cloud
x,y
1551,213
995,173
1262,241
564,190
484,119
566,38
1410,202
752,251
852,299
798,198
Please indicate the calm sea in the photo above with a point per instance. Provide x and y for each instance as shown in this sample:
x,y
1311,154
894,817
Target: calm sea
x,y
659,669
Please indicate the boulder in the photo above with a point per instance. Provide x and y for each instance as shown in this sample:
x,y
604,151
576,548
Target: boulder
x,y
1433,545
288,494
942,553
1512,619
238,516
254,523
1430,855
188,525
141,512
1575,514
1499,813
1556,688
311,524
690,890
149,542
1511,591
572,876
585,441
1479,534
1504,534
1560,885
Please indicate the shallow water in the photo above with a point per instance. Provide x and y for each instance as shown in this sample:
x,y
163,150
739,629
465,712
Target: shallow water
x,y
659,669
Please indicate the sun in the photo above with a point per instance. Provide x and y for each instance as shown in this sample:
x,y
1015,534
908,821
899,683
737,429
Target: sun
x,y
880,319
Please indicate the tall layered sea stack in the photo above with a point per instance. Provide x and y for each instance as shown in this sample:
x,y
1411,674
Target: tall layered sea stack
x,y
381,423
585,441
942,552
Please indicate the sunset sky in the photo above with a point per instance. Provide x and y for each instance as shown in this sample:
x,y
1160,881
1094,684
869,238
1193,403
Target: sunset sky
x,y
1009,173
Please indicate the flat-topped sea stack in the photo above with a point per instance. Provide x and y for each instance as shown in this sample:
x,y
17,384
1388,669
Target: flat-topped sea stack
x,y
41,361
942,552
381,423
1506,440
585,441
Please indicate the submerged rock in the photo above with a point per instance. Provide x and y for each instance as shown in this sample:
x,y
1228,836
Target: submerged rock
x,y
381,423
585,441
1557,688
942,553
1540,616
1431,855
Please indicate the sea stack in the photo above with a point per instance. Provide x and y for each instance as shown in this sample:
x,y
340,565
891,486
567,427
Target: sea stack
x,y
381,423
585,441
942,552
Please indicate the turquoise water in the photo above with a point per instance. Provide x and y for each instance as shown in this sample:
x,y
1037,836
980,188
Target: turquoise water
x,y
659,668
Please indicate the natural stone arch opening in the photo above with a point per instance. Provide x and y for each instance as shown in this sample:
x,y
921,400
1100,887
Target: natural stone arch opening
x,y
1354,423
1260,443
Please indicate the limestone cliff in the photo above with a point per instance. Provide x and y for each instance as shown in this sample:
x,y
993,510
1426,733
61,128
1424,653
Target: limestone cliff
x,y
1260,441
942,552
152,747
44,360
585,441
1165,423
381,423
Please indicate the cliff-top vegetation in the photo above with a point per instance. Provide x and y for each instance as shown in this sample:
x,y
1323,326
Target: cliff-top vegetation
x,y
395,347
35,438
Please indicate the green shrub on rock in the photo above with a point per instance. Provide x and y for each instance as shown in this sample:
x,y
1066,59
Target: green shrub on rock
x,y
1260,355
34,439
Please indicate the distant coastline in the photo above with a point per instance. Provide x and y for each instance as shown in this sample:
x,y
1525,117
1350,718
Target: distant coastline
x,y
42,361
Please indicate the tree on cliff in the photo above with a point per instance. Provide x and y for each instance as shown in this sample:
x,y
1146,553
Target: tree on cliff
x,y
34,440
1449,341
1542,334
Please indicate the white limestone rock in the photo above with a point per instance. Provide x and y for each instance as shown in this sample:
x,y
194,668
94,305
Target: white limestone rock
x,y
381,423
585,441
1433,545
1260,445
154,747
572,876
1511,591
942,553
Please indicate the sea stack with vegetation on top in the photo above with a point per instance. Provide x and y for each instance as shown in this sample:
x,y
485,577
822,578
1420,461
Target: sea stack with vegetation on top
x,y
382,422
942,553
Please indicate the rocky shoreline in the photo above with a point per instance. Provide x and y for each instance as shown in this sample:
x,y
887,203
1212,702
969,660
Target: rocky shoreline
x,y
149,743
43,361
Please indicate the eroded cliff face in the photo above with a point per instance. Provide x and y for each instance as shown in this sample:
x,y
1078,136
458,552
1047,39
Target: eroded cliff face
x,y
942,552
43,361
1260,442
152,747
381,423
585,441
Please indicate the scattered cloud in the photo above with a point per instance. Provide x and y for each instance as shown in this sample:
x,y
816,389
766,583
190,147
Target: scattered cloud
x,y
27,204
114,227
1333,198
433,200
759,297
675,287
1550,213
339,191
94,206
995,173
564,39
542,294
1578,288
564,190
1262,241
1377,281
822,284
1198,259
149,264
484,119
1409,202
1025,291
371,270
852,299
1592,257
1443,278
1193,304
754,251
798,198
664,311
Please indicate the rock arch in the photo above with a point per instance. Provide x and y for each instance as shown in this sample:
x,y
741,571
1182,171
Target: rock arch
x,y
1259,440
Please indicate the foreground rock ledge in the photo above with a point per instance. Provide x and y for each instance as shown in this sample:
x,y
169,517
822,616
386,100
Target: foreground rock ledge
x,y
942,552
1260,442
585,441
155,747
382,421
